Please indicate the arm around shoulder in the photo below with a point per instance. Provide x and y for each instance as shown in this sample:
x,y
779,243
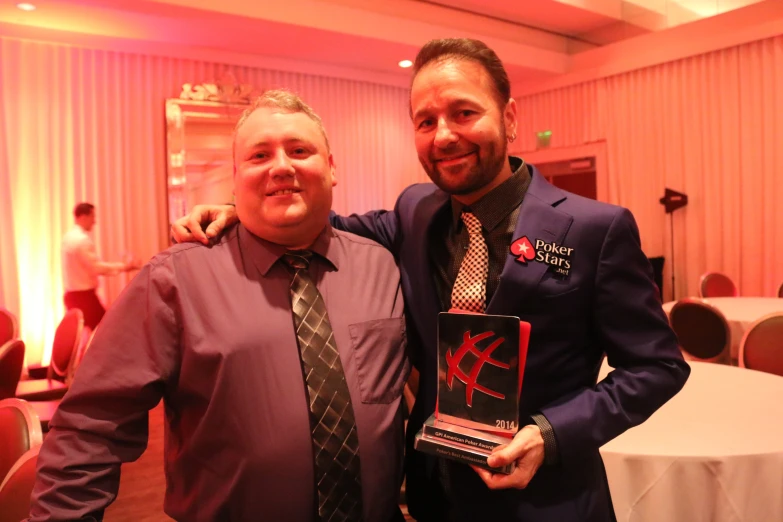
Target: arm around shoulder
x,y
382,226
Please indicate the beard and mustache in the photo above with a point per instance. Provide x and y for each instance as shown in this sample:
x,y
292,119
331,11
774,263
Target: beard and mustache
x,y
458,180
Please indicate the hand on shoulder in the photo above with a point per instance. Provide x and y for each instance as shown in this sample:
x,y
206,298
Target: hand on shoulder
x,y
203,223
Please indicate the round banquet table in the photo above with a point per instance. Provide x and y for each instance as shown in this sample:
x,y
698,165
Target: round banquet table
x,y
740,313
714,453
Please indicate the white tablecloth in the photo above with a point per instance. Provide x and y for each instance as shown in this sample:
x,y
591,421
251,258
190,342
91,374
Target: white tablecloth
x,y
714,453
740,312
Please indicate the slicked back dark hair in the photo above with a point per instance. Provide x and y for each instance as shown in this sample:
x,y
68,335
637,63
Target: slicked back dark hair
x,y
436,51
83,209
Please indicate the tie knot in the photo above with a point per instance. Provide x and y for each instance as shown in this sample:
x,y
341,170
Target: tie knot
x,y
471,223
298,258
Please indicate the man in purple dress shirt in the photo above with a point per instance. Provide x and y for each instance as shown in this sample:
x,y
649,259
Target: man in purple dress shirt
x,y
209,329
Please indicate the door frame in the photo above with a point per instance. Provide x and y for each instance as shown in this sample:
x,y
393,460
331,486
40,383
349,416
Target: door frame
x,y
596,149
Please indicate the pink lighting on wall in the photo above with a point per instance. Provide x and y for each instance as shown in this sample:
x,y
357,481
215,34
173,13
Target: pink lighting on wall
x,y
26,7
405,63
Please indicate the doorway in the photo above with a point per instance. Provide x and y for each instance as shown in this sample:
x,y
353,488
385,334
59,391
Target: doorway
x,y
581,169
576,175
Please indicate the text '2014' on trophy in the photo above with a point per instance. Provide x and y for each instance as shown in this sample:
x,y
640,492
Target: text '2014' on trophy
x,y
481,360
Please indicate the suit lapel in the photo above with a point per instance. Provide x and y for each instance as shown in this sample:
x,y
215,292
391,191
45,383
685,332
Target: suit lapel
x,y
538,219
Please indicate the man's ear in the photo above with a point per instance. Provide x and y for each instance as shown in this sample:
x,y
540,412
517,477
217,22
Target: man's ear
x,y
510,117
332,169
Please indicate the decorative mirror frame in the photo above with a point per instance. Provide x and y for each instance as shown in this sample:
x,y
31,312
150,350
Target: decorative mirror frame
x,y
224,101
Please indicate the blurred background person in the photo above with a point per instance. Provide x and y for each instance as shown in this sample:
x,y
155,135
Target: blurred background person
x,y
81,267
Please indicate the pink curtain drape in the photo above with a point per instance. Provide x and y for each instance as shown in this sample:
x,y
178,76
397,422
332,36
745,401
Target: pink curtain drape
x,y
710,126
9,292
80,124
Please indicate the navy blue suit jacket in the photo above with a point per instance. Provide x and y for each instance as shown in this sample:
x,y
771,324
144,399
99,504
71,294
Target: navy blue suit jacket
x,y
608,304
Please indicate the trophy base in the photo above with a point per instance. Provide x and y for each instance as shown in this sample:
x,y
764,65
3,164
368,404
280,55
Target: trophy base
x,y
475,438
460,444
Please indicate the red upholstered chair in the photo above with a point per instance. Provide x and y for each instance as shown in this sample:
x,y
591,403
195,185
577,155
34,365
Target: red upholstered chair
x,y
66,341
46,409
39,372
9,326
81,351
761,347
702,331
17,488
11,363
716,284
19,432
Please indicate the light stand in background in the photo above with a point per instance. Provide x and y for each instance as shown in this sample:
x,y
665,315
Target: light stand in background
x,y
671,201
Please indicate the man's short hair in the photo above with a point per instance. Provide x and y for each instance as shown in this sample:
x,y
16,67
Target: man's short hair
x,y
436,51
83,209
287,101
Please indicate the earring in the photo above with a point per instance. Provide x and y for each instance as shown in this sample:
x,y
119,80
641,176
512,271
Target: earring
x,y
512,137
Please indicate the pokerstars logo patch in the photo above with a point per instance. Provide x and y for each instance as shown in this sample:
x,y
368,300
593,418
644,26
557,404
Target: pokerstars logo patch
x,y
556,256
523,249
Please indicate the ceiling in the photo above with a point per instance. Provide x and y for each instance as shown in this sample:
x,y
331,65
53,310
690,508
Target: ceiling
x,y
534,38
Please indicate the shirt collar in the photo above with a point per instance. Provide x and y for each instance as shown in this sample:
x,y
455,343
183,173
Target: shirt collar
x,y
263,254
500,201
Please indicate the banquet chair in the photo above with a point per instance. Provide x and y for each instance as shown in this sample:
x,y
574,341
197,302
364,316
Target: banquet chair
x,y
716,284
9,326
11,363
47,409
702,331
761,347
66,340
17,488
84,345
19,432
37,371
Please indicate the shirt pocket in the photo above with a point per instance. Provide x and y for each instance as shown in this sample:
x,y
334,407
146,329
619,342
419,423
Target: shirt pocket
x,y
381,360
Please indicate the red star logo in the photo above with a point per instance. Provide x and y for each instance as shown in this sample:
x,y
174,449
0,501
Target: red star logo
x,y
523,250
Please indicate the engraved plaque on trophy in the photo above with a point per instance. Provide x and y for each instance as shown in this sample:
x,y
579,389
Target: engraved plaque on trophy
x,y
481,360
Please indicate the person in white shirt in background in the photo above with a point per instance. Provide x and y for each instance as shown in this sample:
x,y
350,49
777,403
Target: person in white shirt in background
x,y
82,266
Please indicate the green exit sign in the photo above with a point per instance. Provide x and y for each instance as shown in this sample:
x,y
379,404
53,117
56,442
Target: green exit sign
x,y
543,138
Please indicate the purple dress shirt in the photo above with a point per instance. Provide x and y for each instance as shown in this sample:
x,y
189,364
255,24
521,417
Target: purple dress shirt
x,y
210,331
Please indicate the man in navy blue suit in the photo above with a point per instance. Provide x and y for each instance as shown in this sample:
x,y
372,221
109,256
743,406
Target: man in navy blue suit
x,y
570,266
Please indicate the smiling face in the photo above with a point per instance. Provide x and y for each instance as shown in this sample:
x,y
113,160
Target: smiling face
x,y
283,176
460,129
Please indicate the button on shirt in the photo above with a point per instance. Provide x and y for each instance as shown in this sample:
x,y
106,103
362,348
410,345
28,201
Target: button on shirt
x,y
80,263
210,330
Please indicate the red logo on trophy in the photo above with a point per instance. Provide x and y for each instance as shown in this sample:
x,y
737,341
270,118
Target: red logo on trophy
x,y
470,379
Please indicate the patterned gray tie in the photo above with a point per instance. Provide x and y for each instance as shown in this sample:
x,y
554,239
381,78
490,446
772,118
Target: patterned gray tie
x,y
335,441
